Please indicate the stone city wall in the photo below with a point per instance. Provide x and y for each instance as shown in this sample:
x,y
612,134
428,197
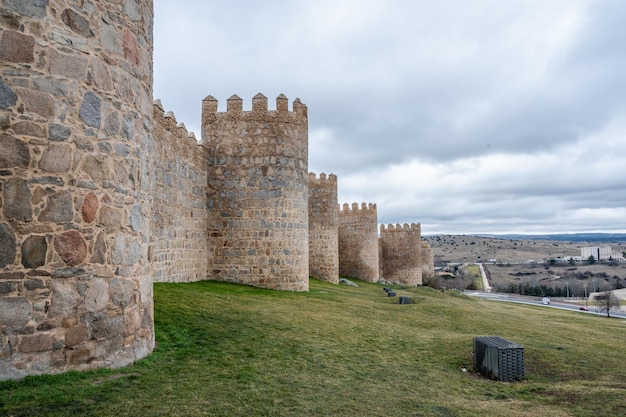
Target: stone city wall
x,y
323,228
401,253
257,192
358,242
75,160
178,235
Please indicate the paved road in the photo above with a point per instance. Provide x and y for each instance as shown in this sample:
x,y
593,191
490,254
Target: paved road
x,y
514,298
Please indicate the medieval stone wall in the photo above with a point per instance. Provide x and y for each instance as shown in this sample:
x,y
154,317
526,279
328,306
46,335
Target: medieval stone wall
x,y
75,159
323,228
401,253
258,192
178,235
358,242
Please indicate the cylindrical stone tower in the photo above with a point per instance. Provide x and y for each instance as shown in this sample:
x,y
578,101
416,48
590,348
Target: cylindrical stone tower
x,y
323,228
358,242
75,160
258,193
401,253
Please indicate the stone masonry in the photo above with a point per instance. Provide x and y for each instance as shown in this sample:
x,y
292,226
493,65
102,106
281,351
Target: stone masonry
x,y
102,192
178,237
358,242
75,184
401,247
257,192
323,228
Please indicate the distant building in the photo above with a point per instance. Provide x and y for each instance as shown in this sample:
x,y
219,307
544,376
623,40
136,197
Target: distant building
x,y
600,253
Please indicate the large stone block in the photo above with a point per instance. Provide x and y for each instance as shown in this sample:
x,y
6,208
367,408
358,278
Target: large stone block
x,y
71,247
77,23
34,251
65,299
36,343
30,8
16,47
97,295
15,311
17,200
56,158
8,97
13,152
89,207
38,102
90,109
8,245
58,208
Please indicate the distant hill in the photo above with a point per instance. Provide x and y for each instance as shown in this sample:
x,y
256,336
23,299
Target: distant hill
x,y
567,237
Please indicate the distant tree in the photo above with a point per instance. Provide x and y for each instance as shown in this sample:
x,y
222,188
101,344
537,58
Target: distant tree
x,y
608,301
591,260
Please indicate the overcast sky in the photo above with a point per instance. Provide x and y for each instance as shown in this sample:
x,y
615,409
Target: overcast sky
x,y
472,116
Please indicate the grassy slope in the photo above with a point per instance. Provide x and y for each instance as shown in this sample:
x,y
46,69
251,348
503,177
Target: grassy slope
x,y
227,350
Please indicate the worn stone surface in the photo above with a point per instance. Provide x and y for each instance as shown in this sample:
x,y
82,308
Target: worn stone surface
x,y
71,247
31,8
58,132
97,295
38,102
8,245
56,158
99,250
122,291
16,196
15,311
77,23
111,217
65,299
34,251
13,152
97,168
76,335
36,343
58,208
16,47
8,97
75,68
90,109
28,129
89,207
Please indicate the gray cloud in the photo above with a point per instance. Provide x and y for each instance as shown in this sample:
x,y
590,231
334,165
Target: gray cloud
x,y
494,116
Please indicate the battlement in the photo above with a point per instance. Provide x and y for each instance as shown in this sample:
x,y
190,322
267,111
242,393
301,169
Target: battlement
x,y
331,178
234,104
167,120
365,208
413,227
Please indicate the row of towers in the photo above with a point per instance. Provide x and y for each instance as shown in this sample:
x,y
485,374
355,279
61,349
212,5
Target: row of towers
x,y
102,193
344,241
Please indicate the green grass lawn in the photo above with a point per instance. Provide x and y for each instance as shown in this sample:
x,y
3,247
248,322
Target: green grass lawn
x,y
229,350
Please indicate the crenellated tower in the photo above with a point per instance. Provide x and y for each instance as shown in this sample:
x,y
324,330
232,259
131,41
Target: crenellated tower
x,y
358,242
257,192
401,246
323,228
